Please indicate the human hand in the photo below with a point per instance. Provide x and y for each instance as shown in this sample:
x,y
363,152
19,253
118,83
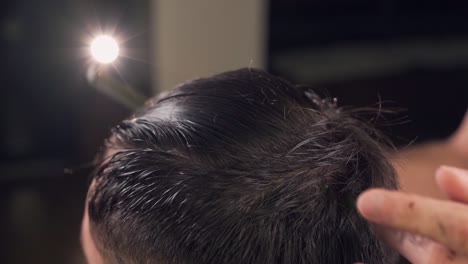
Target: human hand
x,y
415,165
422,229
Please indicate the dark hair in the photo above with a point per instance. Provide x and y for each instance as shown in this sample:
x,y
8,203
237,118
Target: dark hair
x,y
241,167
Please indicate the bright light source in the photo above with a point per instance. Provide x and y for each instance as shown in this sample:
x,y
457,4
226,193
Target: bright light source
x,y
104,49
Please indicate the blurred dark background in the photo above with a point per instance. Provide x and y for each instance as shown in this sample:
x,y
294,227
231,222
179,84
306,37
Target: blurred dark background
x,y
410,55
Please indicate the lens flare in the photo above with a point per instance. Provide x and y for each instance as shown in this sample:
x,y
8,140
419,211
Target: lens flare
x,y
104,49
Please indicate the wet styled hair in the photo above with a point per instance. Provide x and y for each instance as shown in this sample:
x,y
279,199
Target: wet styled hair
x,y
240,167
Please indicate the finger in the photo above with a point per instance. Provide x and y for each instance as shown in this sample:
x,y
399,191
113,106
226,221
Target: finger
x,y
418,249
442,255
411,247
443,221
454,182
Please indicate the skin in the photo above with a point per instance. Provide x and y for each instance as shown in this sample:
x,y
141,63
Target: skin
x,y
427,221
416,165
90,250
423,229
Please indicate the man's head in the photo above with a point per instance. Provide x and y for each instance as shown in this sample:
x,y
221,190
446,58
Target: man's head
x,y
242,167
